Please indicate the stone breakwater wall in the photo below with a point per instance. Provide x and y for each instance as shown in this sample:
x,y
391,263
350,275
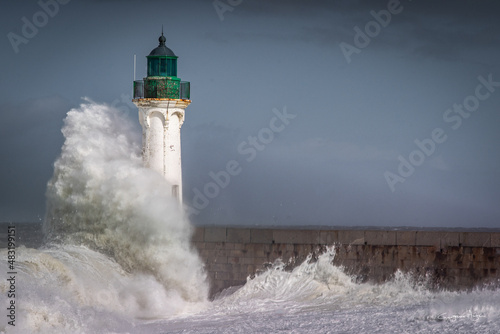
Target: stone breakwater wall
x,y
450,260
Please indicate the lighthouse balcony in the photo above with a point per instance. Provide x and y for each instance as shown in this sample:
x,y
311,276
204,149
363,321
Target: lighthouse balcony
x,y
161,88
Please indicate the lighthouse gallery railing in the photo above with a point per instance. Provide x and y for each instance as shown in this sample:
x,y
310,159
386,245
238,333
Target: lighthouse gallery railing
x,y
161,88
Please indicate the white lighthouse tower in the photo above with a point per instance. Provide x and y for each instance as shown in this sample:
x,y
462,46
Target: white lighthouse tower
x,y
162,98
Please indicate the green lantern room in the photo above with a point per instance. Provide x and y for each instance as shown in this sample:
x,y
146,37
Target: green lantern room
x,y
162,81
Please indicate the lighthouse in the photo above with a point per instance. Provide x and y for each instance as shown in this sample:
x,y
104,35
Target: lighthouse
x,y
162,98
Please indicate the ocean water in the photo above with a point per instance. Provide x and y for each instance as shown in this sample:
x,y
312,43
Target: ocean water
x,y
117,259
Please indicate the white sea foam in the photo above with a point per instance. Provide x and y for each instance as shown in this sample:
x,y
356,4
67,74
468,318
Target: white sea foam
x,y
118,247
320,282
318,297
315,297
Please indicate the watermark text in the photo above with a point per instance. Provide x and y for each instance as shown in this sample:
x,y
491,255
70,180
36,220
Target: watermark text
x,y
30,27
454,117
221,6
11,275
249,149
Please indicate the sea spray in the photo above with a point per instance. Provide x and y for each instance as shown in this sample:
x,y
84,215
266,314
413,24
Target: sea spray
x,y
117,244
317,281
102,196
319,297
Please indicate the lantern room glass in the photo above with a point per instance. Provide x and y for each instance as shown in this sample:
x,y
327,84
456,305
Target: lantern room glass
x,y
162,66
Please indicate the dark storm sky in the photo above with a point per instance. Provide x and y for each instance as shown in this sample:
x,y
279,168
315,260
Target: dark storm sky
x,y
356,104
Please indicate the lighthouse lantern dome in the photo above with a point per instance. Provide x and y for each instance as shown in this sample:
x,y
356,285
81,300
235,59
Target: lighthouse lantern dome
x,y
162,61
162,81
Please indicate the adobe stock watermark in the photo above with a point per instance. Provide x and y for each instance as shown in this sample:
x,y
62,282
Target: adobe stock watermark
x,y
372,29
453,117
30,28
222,6
248,149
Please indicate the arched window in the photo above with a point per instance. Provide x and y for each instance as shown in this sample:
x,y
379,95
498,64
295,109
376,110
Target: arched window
x,y
175,191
